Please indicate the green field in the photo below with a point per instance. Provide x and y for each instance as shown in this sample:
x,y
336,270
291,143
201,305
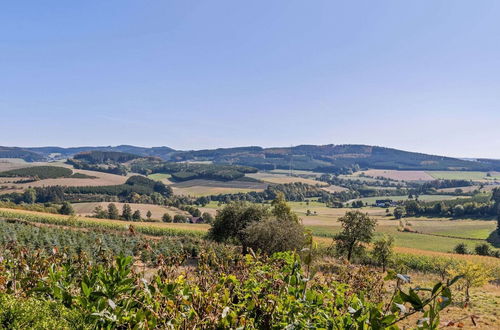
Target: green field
x,y
463,175
159,176
425,198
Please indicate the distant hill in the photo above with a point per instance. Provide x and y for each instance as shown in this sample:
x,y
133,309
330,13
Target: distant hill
x,y
324,158
60,153
13,152
334,158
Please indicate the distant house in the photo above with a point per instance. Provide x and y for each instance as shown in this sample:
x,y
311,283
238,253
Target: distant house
x,y
384,203
197,220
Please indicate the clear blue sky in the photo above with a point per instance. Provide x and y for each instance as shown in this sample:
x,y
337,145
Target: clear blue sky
x,y
416,75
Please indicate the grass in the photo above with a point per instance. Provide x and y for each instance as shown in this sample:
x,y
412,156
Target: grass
x,y
463,175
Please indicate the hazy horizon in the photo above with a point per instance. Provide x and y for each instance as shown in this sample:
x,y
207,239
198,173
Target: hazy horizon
x,y
417,76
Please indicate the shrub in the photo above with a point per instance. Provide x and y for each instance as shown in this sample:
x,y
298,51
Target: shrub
x,y
483,249
271,235
166,217
461,248
67,209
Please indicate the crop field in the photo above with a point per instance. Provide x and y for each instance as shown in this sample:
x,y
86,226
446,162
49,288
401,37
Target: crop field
x,y
200,187
399,175
277,178
464,175
86,209
148,228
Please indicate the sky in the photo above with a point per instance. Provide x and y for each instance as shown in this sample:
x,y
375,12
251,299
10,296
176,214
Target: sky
x,y
414,75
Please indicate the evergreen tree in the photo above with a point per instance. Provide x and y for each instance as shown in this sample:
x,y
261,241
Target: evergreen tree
x,y
127,212
113,211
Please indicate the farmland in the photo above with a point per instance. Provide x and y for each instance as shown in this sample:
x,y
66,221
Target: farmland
x,y
423,198
465,175
279,178
201,187
398,175
86,209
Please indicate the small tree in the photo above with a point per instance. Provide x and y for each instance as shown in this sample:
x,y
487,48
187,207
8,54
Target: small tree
x,y
461,248
383,251
166,217
399,212
148,215
113,211
136,216
281,210
127,212
66,209
356,227
179,218
272,235
29,196
207,217
99,212
233,218
474,275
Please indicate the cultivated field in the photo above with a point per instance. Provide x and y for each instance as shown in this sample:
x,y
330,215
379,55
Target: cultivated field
x,y
200,187
86,209
399,175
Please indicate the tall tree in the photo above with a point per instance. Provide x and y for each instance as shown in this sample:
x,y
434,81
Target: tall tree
x,y
356,227
136,216
113,211
127,212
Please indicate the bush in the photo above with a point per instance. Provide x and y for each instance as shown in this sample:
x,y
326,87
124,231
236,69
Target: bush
x,y
461,248
21,313
272,235
166,217
483,249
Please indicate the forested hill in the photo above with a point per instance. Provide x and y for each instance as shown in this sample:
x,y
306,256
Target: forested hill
x,y
325,158
332,158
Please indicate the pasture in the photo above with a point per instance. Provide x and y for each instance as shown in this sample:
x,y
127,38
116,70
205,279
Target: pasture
x,y
464,175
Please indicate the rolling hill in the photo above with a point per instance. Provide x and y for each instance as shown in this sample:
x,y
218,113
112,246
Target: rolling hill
x,y
322,158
